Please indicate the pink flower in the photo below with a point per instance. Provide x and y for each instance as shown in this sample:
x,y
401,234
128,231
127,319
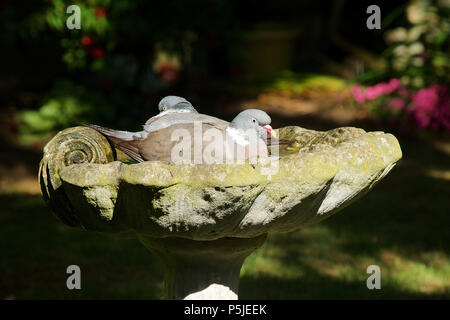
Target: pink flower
x,y
358,94
431,107
421,119
381,89
403,92
394,84
425,100
397,103
374,92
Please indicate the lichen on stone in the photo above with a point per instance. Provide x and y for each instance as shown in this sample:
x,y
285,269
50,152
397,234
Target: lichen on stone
x,y
316,176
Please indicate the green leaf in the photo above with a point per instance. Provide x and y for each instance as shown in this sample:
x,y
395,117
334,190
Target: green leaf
x,y
441,37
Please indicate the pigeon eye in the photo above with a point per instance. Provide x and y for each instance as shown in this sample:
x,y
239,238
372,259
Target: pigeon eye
x,y
164,108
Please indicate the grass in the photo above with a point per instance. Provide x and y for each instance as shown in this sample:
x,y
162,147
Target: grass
x,y
401,225
37,249
287,83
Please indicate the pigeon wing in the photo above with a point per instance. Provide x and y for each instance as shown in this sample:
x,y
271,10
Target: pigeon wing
x,y
160,144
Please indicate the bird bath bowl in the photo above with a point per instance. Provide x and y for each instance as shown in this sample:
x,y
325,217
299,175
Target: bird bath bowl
x,y
204,220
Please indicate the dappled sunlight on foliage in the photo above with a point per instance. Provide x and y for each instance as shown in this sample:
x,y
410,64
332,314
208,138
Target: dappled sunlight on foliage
x,y
415,93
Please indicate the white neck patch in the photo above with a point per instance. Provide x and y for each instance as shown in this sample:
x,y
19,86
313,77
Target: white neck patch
x,y
237,136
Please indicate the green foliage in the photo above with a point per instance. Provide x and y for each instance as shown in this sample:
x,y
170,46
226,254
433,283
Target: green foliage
x,y
131,25
66,105
419,66
418,45
114,59
287,83
94,24
296,84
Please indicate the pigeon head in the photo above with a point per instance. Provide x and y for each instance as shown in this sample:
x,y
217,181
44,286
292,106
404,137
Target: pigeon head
x,y
175,104
252,120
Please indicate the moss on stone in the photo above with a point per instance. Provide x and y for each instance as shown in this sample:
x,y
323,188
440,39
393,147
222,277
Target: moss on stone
x,y
321,173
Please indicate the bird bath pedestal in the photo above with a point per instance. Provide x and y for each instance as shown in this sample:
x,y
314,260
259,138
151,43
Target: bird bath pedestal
x,y
204,220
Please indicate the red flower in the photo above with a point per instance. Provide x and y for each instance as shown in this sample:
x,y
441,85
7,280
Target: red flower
x,y
100,12
97,53
86,41
169,74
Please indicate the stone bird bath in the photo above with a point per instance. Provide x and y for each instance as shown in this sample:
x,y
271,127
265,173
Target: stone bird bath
x,y
204,220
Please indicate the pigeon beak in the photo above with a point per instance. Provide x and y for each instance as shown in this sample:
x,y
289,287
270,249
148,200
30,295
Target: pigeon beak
x,y
269,130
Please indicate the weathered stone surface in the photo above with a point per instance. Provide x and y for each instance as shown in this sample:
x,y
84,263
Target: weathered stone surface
x,y
70,146
324,172
202,269
203,221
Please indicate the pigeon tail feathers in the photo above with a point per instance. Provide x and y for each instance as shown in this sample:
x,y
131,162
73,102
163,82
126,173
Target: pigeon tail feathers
x,y
129,147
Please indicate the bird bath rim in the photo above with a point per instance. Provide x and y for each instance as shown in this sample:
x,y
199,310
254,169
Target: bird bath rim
x,y
219,213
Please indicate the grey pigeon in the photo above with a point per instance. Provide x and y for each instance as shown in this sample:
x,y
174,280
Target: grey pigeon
x,y
240,139
175,104
172,109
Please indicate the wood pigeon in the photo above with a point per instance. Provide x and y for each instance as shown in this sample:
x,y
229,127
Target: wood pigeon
x,y
181,134
169,108
172,109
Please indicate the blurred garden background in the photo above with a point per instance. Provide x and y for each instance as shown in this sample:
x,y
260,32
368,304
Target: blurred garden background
x,y
309,63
